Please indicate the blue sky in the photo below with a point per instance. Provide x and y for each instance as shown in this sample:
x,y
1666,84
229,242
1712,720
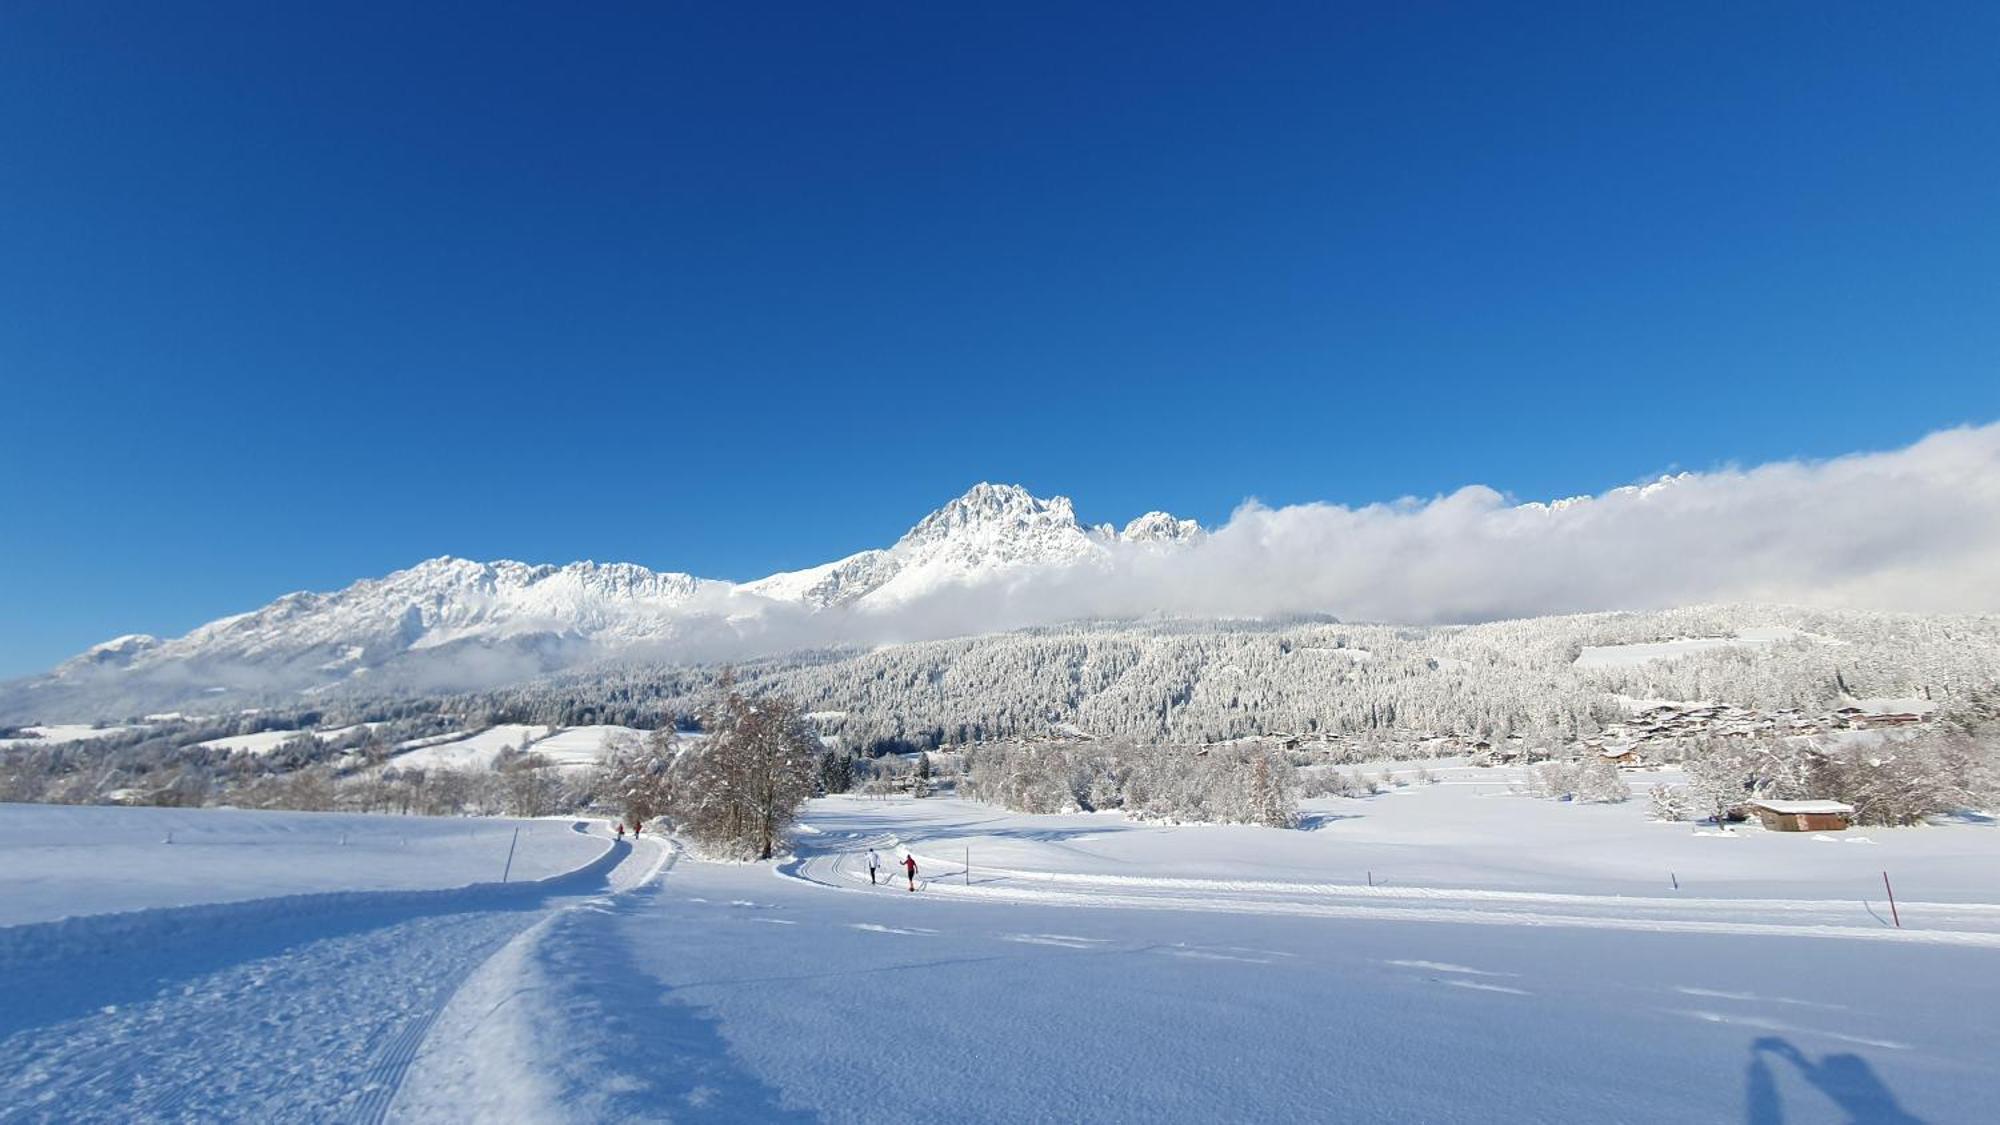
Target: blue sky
x,y
292,295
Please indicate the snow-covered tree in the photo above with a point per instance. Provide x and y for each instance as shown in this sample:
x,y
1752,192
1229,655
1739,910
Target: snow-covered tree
x,y
1720,779
739,789
636,776
1668,802
1597,781
1272,803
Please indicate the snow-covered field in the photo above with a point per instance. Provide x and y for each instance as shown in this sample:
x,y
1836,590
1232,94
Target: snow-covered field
x,y
577,747
1516,959
60,861
471,752
1626,656
262,742
564,747
56,733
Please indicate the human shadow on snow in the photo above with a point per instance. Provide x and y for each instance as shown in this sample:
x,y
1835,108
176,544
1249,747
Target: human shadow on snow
x,y
631,1049
1846,1079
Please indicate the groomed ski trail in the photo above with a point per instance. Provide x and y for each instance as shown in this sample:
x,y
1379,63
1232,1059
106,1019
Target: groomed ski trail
x,y
311,1014
1969,924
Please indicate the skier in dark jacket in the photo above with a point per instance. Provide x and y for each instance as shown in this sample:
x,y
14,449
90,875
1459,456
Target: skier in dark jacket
x,y
910,865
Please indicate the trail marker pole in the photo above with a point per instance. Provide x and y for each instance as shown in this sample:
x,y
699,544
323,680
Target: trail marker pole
x,y
968,866
1676,879
1892,900
510,856
1371,878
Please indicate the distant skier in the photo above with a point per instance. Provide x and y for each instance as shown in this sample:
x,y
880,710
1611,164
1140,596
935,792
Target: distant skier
x,y
638,826
874,865
621,830
910,865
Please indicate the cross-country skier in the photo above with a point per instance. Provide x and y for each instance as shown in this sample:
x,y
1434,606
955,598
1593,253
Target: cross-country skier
x,y
621,830
910,865
874,865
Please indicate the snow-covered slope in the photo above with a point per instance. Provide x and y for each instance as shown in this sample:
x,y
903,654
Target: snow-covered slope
x,y
450,623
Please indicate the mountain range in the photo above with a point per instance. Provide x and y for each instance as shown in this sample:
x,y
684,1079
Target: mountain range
x,y
450,624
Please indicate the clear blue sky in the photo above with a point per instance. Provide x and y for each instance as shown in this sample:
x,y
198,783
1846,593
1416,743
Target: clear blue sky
x,y
293,294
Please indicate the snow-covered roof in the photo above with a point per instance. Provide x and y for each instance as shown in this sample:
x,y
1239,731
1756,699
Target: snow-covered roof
x,y
1788,808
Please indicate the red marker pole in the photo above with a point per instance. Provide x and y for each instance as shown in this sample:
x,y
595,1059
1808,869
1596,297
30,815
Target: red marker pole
x,y
1892,900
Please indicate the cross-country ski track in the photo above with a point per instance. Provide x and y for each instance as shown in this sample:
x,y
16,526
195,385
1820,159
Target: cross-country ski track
x,y
311,1007
1976,924
1085,968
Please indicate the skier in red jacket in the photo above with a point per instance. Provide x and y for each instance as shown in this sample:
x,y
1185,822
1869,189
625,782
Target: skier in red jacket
x,y
910,865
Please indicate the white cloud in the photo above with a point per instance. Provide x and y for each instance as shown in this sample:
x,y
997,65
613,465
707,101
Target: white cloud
x,y
1914,529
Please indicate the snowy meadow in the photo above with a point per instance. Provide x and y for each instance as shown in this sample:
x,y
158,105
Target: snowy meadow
x,y
1446,948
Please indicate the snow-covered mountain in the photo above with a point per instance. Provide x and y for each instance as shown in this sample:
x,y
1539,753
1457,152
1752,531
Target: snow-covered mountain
x,y
991,533
450,623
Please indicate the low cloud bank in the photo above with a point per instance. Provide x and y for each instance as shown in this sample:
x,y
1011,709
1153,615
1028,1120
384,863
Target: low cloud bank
x,y
1916,529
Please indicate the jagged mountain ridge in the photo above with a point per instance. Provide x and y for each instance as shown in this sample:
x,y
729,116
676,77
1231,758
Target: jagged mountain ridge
x,y
450,623
989,532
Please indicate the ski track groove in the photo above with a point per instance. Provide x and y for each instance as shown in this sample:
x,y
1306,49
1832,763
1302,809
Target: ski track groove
x,y
262,1038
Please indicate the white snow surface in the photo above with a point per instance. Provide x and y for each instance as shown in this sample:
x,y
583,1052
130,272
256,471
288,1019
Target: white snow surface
x,y
1626,656
1087,968
55,733
1444,952
581,747
475,751
59,861
262,742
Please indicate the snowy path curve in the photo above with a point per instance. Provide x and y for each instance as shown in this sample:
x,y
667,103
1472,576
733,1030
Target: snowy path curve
x,y
1970,924
241,1022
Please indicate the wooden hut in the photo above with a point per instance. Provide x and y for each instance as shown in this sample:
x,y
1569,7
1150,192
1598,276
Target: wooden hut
x,y
1803,816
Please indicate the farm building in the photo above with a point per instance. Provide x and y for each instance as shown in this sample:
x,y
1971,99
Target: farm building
x,y
1803,816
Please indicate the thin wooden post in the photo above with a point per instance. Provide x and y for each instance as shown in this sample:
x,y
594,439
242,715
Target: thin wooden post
x,y
1676,879
1892,900
968,866
510,856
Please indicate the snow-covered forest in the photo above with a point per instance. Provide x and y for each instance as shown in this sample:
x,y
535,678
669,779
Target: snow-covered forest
x,y
1194,682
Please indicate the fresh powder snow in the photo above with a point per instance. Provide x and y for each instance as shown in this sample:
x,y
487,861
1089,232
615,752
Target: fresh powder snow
x,y
1446,949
